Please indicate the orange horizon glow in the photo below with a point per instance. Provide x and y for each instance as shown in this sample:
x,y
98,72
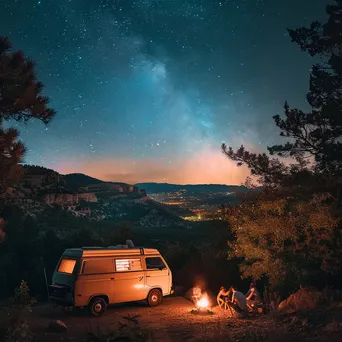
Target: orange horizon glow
x,y
207,167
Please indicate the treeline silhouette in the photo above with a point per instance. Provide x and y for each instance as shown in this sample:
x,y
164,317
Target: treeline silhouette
x,y
34,243
290,230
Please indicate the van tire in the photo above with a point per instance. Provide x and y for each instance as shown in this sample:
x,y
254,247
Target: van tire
x,y
155,297
97,306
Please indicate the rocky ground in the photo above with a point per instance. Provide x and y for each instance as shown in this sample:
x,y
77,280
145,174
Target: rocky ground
x,y
173,321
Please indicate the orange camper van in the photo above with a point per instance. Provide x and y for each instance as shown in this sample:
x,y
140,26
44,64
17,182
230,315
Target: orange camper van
x,y
96,277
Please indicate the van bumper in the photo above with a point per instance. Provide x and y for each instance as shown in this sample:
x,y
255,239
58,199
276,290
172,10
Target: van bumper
x,y
172,291
62,301
60,295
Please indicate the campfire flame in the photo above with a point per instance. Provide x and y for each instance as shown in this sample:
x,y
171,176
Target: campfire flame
x,y
203,302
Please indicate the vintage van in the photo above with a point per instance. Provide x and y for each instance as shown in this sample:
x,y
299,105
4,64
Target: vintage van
x,y
95,277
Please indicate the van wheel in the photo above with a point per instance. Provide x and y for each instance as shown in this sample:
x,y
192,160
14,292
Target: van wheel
x,y
97,306
154,298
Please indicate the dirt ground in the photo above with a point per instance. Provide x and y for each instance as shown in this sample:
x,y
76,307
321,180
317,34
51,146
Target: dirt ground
x,y
173,321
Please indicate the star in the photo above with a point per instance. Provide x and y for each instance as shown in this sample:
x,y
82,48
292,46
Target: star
x,y
137,81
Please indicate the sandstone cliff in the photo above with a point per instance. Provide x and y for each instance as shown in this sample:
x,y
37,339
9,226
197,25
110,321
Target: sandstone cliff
x,y
65,199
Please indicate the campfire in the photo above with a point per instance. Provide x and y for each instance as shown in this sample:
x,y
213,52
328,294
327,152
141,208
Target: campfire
x,y
203,302
202,305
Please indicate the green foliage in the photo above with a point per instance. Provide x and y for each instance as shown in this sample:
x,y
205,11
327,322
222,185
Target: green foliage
x,y
11,154
13,316
286,240
122,232
130,330
20,100
318,133
313,139
289,231
22,295
271,300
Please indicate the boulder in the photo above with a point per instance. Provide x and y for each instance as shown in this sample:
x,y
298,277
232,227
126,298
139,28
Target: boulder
x,y
58,326
304,299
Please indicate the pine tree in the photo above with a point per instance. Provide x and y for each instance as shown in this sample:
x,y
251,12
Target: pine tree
x,y
285,233
20,100
314,138
294,231
318,133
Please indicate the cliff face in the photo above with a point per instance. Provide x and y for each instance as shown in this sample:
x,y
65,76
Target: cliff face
x,y
61,199
70,190
45,195
88,197
66,199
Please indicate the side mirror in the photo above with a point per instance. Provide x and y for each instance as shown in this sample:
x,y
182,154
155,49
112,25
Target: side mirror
x,y
161,268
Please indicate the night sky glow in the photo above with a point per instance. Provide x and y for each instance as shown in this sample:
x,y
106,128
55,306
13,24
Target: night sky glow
x,y
147,90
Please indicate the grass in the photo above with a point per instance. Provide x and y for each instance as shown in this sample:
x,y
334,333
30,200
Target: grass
x,y
129,331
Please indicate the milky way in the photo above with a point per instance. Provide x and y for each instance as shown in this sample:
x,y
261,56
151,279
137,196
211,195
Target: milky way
x,y
148,90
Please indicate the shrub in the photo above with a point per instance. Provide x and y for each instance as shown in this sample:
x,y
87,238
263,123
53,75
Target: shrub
x,y
131,330
13,323
287,240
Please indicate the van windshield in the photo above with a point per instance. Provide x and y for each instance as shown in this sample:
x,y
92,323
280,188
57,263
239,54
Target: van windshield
x,y
66,266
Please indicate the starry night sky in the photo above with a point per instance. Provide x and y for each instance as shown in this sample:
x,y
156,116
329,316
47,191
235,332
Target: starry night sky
x,y
147,90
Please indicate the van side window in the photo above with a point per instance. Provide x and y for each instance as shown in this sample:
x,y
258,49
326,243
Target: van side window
x,y
128,265
98,266
152,263
66,266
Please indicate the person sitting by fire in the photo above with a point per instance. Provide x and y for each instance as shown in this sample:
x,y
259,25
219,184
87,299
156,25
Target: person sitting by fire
x,y
238,302
253,296
222,297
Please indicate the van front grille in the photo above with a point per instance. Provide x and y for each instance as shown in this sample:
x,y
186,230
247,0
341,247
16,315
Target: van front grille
x,y
58,291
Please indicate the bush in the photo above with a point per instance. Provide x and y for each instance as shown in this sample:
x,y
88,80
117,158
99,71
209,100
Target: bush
x,y
131,330
13,323
289,241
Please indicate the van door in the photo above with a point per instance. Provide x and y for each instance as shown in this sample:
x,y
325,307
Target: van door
x,y
129,280
96,278
63,279
157,274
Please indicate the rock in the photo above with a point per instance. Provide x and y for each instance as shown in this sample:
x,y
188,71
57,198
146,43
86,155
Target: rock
x,y
304,299
305,322
58,326
260,310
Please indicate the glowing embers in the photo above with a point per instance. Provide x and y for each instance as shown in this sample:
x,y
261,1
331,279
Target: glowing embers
x,y
202,306
203,302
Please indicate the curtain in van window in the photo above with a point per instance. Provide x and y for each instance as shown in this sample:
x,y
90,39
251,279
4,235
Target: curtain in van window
x,y
128,265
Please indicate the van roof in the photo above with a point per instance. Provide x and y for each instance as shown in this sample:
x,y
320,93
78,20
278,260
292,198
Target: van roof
x,y
109,251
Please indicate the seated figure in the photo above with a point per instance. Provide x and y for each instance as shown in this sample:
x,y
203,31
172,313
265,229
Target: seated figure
x,y
253,295
221,297
238,302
